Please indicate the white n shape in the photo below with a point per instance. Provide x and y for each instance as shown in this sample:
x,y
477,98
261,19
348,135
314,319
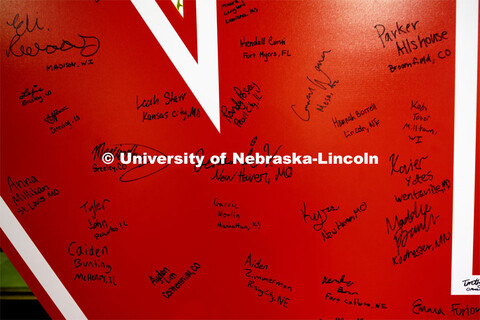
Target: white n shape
x,y
201,77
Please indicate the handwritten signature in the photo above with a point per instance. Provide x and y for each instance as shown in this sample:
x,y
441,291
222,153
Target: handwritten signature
x,y
51,117
404,232
88,45
34,94
320,217
141,171
472,285
324,83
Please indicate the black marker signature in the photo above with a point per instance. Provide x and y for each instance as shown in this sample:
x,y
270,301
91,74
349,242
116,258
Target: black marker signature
x,y
52,117
88,47
32,92
323,84
17,25
405,229
137,173
320,217
472,285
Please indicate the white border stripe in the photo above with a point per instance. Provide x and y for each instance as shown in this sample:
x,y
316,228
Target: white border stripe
x,y
38,265
464,149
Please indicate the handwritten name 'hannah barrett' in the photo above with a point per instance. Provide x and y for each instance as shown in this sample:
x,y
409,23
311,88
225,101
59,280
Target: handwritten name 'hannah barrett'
x,y
242,158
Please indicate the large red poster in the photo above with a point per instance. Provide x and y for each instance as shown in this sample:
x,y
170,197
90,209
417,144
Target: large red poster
x,y
303,168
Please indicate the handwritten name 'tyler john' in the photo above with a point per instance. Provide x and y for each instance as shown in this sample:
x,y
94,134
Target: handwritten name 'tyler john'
x,y
323,82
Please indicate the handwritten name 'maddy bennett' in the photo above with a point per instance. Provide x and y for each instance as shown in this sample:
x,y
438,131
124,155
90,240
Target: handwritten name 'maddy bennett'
x,y
325,83
88,45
